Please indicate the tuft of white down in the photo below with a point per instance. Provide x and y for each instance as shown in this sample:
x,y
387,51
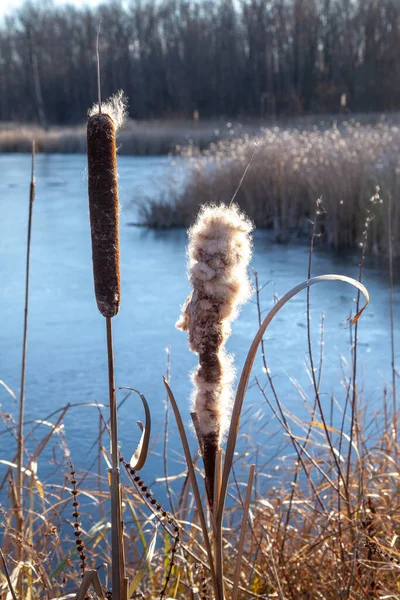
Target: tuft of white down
x,y
115,107
212,402
219,253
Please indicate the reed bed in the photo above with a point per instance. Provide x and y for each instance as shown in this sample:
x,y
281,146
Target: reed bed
x,y
166,136
290,169
140,138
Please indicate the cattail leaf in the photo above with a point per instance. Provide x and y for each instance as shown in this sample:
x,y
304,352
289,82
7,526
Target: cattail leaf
x,y
246,372
193,480
341,433
60,567
145,567
12,580
81,492
139,457
39,486
136,461
241,543
14,466
50,425
8,389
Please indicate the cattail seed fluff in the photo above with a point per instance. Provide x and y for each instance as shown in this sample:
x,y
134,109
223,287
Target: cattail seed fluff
x,y
219,253
103,205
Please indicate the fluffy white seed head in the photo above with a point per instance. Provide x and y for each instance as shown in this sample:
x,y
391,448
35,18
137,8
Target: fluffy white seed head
x,y
219,253
115,107
212,401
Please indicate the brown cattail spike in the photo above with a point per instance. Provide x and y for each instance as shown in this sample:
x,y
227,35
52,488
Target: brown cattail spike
x,y
103,204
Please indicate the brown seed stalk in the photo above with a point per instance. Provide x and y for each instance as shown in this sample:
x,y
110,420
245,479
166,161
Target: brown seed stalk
x,y
20,450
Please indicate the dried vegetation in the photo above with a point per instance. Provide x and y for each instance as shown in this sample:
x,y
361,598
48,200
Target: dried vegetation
x,y
290,169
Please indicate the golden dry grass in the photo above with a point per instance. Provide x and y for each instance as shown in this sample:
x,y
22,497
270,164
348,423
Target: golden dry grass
x,y
290,169
142,138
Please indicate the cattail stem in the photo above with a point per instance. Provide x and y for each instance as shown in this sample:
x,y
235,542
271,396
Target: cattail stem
x,y
118,575
99,463
20,451
112,396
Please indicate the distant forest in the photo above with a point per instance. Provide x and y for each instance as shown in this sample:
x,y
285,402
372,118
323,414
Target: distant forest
x,y
233,58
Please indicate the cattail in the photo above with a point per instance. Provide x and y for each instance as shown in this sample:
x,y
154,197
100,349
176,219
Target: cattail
x,y
104,222
219,252
103,202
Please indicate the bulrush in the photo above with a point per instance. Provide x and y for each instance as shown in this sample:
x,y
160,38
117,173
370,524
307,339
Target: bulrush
x,y
219,253
104,222
103,201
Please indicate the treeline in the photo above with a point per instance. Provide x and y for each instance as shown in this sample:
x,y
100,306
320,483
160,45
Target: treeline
x,y
237,58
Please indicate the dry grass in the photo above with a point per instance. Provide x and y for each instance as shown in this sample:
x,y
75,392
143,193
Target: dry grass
x,y
325,525
290,170
16,137
314,531
142,138
160,137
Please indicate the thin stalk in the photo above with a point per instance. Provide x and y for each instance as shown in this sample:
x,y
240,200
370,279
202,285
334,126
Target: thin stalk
x,y
99,455
117,567
9,582
314,379
244,175
218,541
166,429
392,327
278,403
20,453
98,66
246,508
354,425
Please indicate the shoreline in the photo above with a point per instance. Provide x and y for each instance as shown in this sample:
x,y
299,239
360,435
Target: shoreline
x,y
162,137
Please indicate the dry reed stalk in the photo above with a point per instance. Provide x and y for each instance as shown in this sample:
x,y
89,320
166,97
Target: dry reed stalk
x,y
20,451
9,582
165,453
318,211
103,204
90,579
392,337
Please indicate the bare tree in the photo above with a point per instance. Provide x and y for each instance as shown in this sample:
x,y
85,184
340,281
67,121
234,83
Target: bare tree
x,y
219,58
